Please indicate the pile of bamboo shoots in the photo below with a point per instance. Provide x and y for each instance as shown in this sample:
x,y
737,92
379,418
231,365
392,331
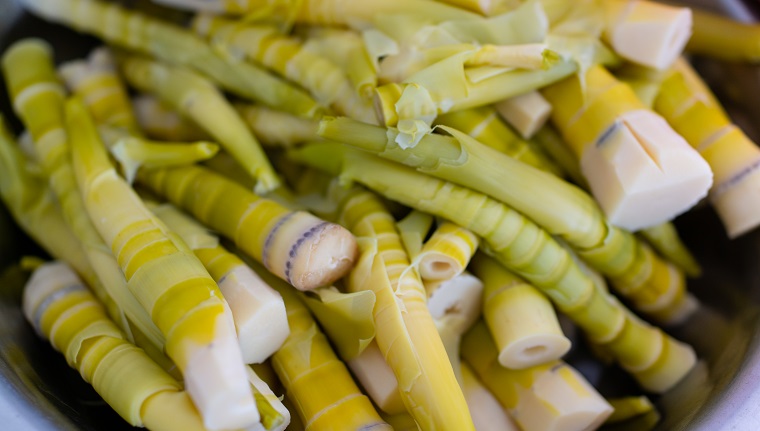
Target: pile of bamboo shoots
x,y
337,215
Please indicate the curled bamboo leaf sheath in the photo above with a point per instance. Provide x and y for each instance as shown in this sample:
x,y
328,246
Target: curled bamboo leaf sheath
x,y
532,253
296,246
654,286
405,331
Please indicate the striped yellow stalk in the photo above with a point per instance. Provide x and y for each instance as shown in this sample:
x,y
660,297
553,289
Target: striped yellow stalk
x,y
264,44
520,318
318,384
173,44
258,311
552,144
663,237
361,15
76,325
195,97
277,128
652,285
665,240
656,360
324,12
377,380
605,124
485,125
38,99
447,253
486,411
347,49
553,396
346,318
168,280
296,246
405,331
62,310
686,102
627,408
134,153
96,81
723,38
159,121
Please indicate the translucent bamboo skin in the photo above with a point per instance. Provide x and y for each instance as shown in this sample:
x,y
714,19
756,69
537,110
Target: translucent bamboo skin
x,y
485,125
296,246
168,280
532,396
318,384
520,318
62,310
175,45
447,253
96,82
195,97
653,286
405,331
656,360
686,102
38,99
264,44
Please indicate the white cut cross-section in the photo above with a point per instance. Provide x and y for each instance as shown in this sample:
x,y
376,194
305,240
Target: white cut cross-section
x,y
643,173
526,113
647,33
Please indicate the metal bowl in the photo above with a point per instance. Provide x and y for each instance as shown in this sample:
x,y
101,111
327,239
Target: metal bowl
x,y
38,391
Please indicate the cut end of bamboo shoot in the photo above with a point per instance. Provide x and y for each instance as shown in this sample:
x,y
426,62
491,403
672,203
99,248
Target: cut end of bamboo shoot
x,y
332,251
259,312
646,32
532,350
461,295
527,113
642,173
560,399
220,392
